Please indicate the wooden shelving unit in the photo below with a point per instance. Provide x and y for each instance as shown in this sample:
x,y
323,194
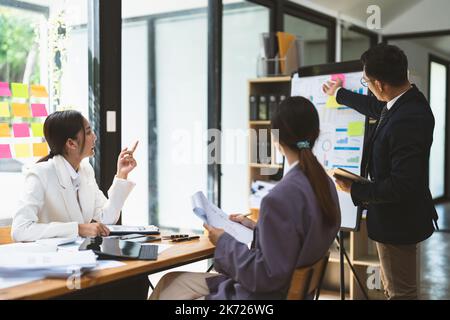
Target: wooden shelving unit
x,y
361,250
265,86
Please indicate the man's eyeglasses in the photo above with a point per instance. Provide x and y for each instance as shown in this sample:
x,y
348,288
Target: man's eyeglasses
x,y
364,82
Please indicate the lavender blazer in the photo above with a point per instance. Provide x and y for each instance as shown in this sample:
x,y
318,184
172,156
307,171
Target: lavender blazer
x,y
290,233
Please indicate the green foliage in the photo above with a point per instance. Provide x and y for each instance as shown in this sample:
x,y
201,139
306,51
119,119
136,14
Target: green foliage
x,y
17,37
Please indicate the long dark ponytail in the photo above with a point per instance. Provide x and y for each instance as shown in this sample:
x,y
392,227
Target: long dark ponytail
x,y
59,127
297,122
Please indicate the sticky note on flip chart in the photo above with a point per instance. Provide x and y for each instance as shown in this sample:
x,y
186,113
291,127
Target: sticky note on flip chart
x,y
19,90
37,129
38,91
22,150
21,110
40,149
21,130
356,129
5,151
4,89
4,109
5,132
339,76
38,110
332,103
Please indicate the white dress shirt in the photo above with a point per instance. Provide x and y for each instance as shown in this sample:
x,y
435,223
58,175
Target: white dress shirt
x,y
49,206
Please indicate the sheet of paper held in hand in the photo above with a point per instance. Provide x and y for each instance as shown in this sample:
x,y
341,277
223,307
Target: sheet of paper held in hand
x,y
215,217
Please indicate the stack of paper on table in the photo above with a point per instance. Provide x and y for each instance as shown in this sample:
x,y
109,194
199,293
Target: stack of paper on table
x,y
214,216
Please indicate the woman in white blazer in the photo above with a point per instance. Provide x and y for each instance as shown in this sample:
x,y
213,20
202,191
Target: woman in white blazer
x,y
61,197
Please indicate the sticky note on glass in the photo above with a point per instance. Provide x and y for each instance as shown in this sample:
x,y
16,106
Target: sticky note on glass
x,y
37,129
4,89
22,150
21,110
332,103
38,91
4,109
5,132
38,110
356,129
339,76
21,130
19,90
40,149
5,151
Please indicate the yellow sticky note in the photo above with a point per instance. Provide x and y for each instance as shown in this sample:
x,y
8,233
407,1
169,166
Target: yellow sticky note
x,y
38,91
21,110
5,131
37,129
40,149
4,109
332,103
22,150
19,90
355,129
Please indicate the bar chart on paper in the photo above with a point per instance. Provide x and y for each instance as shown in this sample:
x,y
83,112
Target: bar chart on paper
x,y
341,139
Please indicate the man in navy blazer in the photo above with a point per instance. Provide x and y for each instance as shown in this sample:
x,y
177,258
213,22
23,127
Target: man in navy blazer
x,y
400,207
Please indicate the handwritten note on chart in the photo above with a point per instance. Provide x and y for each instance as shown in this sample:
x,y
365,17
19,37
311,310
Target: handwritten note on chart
x,y
332,103
355,129
340,76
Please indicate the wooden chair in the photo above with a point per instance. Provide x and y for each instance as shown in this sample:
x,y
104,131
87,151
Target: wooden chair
x,y
5,235
306,281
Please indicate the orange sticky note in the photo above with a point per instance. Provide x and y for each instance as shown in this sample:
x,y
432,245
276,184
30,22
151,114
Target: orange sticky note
x,y
21,110
40,149
22,150
5,132
38,91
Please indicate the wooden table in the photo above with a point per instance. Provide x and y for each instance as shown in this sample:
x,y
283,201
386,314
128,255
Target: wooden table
x,y
126,282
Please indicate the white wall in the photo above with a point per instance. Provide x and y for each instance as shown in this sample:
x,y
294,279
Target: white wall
x,y
241,29
428,15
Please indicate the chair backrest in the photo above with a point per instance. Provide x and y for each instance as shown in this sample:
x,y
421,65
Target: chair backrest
x,y
5,235
306,281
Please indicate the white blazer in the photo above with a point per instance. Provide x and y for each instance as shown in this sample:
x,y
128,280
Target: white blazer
x,y
49,207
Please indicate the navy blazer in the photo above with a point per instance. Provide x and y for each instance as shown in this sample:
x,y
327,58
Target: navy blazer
x,y
400,206
290,233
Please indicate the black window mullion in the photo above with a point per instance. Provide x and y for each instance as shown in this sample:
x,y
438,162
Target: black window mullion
x,y
215,10
105,32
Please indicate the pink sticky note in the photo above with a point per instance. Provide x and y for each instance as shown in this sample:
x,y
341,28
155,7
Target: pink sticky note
x,y
5,151
4,89
21,130
339,76
39,110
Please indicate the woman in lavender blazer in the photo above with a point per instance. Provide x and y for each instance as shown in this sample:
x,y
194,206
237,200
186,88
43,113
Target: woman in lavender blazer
x,y
298,221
